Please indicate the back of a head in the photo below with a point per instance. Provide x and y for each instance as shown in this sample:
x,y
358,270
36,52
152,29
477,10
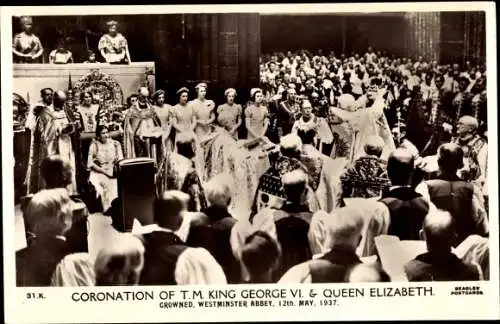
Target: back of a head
x,y
168,209
259,254
218,191
439,231
400,167
450,157
290,145
120,261
374,145
344,229
294,185
56,172
367,273
49,212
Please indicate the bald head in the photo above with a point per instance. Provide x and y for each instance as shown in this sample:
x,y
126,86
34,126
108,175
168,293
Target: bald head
x,y
59,99
439,231
450,158
344,229
400,167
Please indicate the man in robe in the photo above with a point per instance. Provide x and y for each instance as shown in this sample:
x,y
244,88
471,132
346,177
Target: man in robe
x,y
475,152
368,120
51,136
142,128
269,191
324,172
47,95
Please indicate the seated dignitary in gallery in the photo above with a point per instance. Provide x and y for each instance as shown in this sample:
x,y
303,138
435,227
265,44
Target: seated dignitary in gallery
x,y
260,255
291,221
440,263
168,260
407,208
49,214
211,228
343,237
61,55
120,261
113,45
460,198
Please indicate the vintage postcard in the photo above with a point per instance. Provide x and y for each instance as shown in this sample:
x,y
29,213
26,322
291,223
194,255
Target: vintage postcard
x,y
250,162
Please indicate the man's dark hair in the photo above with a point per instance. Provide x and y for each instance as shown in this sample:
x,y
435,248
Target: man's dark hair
x,y
259,246
56,172
450,158
400,167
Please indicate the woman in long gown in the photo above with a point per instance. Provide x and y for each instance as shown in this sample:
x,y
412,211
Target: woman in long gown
x,y
203,110
229,114
164,112
256,116
182,115
103,155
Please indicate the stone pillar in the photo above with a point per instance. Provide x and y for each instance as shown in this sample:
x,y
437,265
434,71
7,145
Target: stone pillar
x,y
475,37
423,35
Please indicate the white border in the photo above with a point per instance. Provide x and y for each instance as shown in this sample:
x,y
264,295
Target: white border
x,y
57,307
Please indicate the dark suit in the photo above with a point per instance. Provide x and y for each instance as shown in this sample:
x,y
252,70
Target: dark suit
x,y
334,266
36,263
160,258
407,210
429,267
211,229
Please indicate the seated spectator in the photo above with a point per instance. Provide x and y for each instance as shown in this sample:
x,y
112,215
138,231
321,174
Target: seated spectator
x,y
92,58
440,263
367,273
259,256
458,197
49,214
211,228
104,153
165,262
367,177
407,208
343,235
61,55
119,263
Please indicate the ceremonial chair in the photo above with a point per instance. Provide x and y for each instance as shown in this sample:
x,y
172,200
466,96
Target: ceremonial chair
x,y
76,236
136,193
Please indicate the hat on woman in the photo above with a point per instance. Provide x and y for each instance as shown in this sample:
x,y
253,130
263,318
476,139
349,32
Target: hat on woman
x,y
181,90
112,23
228,91
201,85
254,91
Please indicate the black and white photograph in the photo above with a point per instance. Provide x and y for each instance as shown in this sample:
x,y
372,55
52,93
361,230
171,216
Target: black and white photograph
x,y
257,147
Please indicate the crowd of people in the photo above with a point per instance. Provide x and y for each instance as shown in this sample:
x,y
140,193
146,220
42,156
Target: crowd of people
x,y
28,48
355,147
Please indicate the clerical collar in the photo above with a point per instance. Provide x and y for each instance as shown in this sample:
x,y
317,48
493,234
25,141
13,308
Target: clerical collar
x,y
465,140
